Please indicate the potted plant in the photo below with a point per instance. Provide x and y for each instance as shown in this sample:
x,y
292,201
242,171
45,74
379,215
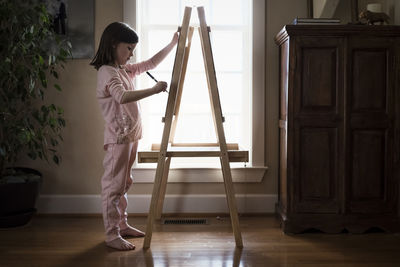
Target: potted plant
x,y
30,54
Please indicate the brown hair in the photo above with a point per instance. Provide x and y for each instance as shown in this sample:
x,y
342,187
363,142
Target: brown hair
x,y
113,34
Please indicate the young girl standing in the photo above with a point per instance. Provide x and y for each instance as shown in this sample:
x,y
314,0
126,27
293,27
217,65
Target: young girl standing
x,y
123,129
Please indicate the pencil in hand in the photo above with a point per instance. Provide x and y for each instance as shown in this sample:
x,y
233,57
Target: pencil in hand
x,y
151,76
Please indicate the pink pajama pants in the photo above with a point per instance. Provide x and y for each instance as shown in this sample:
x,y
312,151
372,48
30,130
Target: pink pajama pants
x,y
115,183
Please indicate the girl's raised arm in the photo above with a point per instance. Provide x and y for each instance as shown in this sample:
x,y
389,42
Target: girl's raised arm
x,y
162,54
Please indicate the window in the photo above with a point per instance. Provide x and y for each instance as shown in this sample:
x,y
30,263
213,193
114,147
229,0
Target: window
x,y
234,57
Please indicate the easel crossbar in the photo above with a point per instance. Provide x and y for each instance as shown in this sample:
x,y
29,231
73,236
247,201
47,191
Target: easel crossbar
x,y
233,155
230,146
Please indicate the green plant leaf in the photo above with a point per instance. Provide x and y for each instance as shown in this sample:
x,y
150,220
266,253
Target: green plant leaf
x,y
58,87
30,52
54,142
56,159
43,78
61,122
41,60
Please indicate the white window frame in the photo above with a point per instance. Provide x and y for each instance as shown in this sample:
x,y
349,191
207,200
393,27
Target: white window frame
x,y
255,170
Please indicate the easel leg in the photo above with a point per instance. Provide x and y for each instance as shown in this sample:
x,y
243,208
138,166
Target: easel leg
x,y
230,197
163,189
154,201
217,115
167,126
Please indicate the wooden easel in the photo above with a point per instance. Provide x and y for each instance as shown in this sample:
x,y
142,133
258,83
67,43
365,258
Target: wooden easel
x,y
226,152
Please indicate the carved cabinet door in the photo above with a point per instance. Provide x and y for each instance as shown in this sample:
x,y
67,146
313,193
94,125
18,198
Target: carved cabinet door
x,y
318,125
370,116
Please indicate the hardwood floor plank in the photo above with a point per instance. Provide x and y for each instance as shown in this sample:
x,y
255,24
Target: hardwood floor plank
x,y
78,241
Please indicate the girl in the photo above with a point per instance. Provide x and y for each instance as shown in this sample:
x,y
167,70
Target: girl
x,y
118,102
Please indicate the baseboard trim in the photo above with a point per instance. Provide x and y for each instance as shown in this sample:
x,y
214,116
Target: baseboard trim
x,y
139,204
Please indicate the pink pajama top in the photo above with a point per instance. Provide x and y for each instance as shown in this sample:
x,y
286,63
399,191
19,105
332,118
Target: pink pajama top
x,y
122,121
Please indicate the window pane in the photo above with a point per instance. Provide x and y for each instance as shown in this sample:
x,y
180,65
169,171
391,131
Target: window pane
x,y
195,61
227,50
162,12
194,127
232,127
195,94
157,41
230,89
227,12
152,130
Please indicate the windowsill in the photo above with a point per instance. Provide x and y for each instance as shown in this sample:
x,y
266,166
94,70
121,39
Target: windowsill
x,y
249,174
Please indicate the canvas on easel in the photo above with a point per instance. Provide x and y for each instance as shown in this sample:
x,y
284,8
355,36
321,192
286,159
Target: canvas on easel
x,y
163,152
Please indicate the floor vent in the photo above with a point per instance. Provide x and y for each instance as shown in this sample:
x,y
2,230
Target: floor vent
x,y
184,221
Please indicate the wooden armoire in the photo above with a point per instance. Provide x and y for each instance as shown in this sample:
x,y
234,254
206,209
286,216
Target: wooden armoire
x,y
339,128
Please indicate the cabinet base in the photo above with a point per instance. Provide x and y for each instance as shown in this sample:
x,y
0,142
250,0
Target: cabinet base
x,y
337,223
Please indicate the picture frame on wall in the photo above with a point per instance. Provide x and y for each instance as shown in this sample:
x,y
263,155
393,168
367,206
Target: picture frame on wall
x,y
74,20
345,10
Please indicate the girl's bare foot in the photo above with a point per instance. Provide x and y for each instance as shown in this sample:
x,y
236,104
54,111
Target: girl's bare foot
x,y
120,244
130,231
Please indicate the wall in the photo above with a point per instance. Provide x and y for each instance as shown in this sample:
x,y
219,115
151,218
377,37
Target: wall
x,y
77,179
397,12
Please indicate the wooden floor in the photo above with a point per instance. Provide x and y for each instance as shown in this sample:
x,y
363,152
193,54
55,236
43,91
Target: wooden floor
x,y
78,241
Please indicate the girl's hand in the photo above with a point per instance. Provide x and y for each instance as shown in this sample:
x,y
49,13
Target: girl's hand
x,y
160,87
175,38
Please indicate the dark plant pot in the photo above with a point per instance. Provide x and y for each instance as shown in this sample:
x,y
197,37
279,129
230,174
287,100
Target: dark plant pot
x,y
18,199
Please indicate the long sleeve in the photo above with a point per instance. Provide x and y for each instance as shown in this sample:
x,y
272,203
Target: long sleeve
x,y
162,54
112,84
154,61
116,89
140,67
